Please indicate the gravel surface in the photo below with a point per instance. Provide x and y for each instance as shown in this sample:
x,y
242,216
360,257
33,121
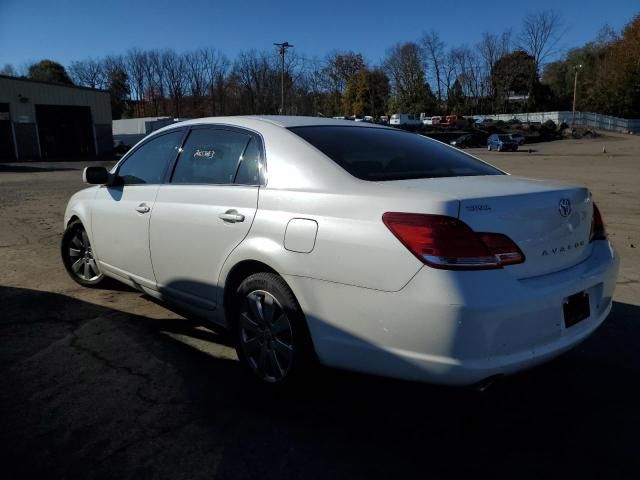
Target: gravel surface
x,y
109,384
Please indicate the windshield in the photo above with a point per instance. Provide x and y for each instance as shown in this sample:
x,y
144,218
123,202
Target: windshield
x,y
504,137
379,154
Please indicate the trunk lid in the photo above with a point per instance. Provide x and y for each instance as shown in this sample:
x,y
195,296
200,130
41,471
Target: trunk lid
x,y
549,221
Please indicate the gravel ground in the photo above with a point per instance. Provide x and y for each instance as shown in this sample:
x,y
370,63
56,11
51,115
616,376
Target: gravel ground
x,y
109,384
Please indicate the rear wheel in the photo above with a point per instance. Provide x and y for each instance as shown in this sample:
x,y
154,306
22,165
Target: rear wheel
x,y
77,256
271,336
489,147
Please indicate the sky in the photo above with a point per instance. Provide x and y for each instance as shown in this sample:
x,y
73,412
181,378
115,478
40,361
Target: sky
x,y
68,30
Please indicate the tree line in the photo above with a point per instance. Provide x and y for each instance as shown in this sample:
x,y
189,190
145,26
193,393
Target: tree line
x,y
503,72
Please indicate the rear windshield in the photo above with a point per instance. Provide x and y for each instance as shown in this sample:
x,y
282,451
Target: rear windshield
x,y
379,154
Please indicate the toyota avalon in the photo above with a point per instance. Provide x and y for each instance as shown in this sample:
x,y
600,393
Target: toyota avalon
x,y
354,245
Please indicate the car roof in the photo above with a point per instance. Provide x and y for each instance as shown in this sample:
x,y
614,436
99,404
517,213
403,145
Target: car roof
x,y
285,121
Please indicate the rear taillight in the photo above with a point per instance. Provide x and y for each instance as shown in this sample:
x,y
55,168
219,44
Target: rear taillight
x,y
502,247
598,231
446,242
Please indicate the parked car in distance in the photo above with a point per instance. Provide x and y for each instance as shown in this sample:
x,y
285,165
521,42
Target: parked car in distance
x,y
518,138
355,245
483,121
465,141
383,119
406,119
446,121
501,142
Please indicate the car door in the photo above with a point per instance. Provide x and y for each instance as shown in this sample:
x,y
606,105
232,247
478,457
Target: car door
x,y
121,210
204,211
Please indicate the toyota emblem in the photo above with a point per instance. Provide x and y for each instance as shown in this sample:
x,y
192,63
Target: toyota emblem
x,y
564,207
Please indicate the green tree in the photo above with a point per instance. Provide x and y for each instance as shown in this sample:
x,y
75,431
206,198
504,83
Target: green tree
x,y
608,70
366,93
338,70
119,90
49,71
455,98
514,74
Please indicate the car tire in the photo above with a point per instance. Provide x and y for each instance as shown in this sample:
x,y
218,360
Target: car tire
x,y
270,331
489,147
77,256
499,148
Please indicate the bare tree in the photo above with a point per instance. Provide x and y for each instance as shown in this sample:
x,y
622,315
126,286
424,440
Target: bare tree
x,y
258,74
135,66
173,65
156,80
8,70
606,35
433,48
195,72
405,66
540,35
468,72
87,73
491,48
215,71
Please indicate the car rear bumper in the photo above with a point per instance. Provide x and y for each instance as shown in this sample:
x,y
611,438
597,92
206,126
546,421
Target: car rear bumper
x,y
455,327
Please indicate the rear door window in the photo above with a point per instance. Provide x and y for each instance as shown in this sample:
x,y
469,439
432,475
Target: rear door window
x,y
210,156
379,154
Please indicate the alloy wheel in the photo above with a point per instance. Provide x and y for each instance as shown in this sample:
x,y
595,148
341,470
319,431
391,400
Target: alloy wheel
x,y
81,260
266,337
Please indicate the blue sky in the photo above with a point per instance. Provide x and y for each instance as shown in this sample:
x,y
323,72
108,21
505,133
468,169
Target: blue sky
x,y
67,30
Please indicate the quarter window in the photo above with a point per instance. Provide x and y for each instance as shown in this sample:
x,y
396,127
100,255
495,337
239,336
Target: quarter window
x,y
147,164
210,156
249,169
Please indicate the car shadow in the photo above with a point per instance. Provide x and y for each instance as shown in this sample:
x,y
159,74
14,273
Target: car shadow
x,y
92,391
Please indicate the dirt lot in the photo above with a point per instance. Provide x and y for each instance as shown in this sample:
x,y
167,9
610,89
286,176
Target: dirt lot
x,y
108,384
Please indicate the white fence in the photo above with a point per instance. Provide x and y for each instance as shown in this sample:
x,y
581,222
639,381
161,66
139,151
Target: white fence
x,y
595,120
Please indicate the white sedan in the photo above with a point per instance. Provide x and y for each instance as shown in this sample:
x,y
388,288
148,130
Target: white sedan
x,y
353,245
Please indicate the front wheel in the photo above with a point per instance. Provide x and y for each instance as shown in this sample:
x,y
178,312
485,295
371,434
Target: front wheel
x,y
489,147
77,256
271,336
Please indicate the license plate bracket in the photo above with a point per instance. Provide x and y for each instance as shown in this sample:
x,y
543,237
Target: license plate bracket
x,y
576,308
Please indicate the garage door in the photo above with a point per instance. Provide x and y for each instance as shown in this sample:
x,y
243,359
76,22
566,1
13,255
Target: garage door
x,y
66,132
7,150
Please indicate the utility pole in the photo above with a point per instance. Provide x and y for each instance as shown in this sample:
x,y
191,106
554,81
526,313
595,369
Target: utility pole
x,y
575,89
282,49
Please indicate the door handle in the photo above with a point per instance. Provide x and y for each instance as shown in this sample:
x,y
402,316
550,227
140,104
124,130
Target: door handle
x,y
231,216
143,208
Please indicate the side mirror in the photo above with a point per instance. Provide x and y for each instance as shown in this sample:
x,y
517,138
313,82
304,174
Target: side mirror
x,y
95,175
